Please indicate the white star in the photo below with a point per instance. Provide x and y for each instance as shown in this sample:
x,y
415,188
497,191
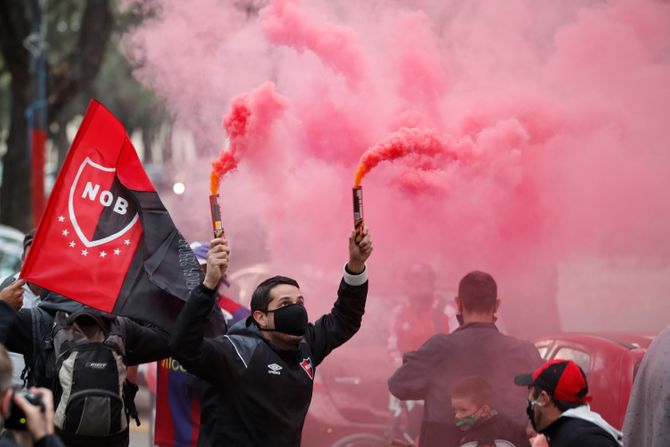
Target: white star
x,y
65,232
117,251
103,254
127,242
84,252
61,218
72,244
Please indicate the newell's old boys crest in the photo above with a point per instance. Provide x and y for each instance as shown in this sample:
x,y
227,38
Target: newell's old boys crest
x,y
106,239
99,207
306,364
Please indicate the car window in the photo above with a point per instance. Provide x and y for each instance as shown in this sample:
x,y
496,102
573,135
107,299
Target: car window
x,y
543,350
581,358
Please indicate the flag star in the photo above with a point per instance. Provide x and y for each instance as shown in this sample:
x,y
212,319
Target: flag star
x,y
61,218
103,254
117,251
127,241
65,232
84,252
72,244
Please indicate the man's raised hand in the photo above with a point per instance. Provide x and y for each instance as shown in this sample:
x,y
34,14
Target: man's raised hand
x,y
217,262
13,294
359,252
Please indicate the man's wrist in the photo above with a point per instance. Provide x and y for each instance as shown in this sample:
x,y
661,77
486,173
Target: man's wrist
x,y
210,284
40,434
355,267
43,441
355,279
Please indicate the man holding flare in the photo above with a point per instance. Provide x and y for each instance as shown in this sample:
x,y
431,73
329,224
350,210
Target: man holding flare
x,y
261,372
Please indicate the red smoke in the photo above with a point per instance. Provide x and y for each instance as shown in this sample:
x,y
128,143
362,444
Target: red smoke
x,y
284,22
418,141
543,127
248,122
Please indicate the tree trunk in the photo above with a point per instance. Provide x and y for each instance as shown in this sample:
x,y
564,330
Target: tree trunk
x,y
60,141
69,76
15,194
148,137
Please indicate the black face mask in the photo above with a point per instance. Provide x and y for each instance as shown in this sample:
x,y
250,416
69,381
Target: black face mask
x,y
291,319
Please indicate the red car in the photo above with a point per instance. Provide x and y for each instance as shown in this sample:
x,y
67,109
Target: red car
x,y
610,362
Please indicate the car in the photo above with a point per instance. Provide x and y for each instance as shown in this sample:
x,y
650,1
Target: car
x,y
11,249
610,361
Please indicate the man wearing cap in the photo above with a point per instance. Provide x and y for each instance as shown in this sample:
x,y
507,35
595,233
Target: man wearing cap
x,y
476,348
262,371
558,407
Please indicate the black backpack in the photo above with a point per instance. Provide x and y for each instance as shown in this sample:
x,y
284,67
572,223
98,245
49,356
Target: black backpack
x,y
81,358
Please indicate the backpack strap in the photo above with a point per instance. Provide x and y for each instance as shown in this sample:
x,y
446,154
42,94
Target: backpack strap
x,y
117,339
129,392
42,370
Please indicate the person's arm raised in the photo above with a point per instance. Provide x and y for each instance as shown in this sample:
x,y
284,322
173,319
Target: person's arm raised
x,y
335,328
201,356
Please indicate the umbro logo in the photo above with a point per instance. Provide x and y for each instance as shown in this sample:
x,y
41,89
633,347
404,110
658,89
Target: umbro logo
x,y
275,369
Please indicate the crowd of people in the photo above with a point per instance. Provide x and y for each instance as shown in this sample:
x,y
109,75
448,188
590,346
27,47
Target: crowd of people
x,y
69,381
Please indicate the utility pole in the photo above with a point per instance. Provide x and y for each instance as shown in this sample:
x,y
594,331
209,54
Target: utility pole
x,y
36,113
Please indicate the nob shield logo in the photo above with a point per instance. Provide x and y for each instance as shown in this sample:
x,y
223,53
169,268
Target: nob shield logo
x,y
99,205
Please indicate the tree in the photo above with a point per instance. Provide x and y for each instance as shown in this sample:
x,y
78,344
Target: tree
x,y
66,77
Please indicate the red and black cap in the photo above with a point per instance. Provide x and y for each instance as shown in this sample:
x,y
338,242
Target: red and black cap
x,y
564,380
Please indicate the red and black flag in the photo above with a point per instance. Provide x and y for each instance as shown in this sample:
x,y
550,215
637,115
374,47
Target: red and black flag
x,y
105,238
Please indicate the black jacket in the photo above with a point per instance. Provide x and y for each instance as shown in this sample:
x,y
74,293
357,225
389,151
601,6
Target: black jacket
x,y
497,427
259,394
575,432
47,441
475,349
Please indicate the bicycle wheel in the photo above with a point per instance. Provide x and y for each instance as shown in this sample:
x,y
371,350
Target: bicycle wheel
x,y
361,440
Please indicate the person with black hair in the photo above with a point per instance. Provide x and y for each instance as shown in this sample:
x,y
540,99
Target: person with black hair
x,y
476,348
558,407
261,373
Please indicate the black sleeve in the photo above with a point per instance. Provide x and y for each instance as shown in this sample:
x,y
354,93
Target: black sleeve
x,y
599,439
49,441
144,342
202,357
16,329
412,379
335,328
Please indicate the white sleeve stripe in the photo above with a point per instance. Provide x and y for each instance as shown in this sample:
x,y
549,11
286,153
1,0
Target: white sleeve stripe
x,y
238,352
356,280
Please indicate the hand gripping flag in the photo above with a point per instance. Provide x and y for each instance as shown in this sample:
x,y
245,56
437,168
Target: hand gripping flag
x,y
105,238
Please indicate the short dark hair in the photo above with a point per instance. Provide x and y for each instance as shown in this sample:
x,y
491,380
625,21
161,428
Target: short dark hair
x,y
478,292
28,239
560,404
475,388
261,296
